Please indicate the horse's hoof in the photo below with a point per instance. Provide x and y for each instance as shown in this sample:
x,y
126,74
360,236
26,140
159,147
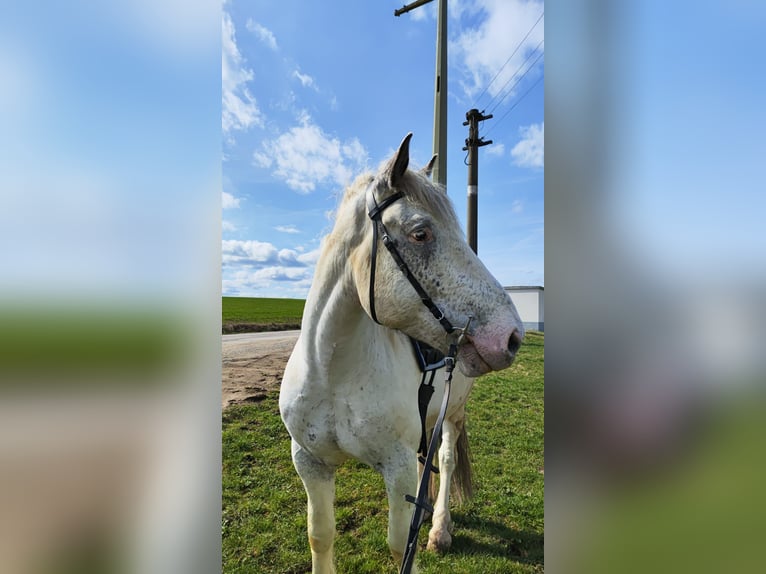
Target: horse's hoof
x,y
439,541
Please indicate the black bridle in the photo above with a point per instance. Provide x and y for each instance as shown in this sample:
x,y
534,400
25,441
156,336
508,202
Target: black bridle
x,y
375,212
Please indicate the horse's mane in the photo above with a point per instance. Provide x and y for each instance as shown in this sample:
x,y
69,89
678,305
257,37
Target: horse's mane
x,y
417,188
351,216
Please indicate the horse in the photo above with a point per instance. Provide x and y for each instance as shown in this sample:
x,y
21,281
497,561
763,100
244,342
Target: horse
x,y
350,387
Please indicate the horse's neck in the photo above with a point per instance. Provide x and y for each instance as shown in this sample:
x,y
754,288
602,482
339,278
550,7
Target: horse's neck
x,y
335,327
331,311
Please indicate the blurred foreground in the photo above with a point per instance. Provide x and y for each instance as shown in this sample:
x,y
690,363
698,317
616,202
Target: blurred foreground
x,y
656,288
110,289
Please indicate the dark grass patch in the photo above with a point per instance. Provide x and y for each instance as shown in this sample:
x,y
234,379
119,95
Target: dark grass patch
x,y
229,328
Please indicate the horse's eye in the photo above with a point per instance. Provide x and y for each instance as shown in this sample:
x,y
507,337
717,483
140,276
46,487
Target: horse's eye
x,y
423,235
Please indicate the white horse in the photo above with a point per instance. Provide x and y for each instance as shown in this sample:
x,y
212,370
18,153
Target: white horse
x,y
350,387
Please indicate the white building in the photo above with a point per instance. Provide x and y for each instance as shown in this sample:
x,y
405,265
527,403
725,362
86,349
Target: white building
x,y
529,302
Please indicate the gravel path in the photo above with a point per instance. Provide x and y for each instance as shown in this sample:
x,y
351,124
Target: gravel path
x,y
253,364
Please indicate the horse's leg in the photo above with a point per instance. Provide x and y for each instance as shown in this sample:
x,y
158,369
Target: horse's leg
x,y
401,477
319,482
439,538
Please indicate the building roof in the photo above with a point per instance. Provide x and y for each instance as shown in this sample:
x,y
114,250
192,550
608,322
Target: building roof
x,y
524,287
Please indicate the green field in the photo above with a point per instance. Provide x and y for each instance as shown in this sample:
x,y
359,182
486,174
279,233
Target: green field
x,y
499,531
88,345
244,314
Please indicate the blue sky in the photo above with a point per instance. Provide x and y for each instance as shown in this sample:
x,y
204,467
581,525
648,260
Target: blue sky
x,y
688,197
315,93
110,144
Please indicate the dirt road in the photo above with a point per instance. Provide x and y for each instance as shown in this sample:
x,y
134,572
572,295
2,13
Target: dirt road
x,y
253,364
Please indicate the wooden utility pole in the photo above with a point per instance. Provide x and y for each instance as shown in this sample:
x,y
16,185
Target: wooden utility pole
x,y
440,89
472,144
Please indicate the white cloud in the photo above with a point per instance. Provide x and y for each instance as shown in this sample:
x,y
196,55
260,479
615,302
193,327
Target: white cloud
x,y
260,269
305,80
287,229
250,252
310,257
239,108
268,281
455,9
423,12
483,50
247,251
498,149
262,159
305,157
228,201
263,33
288,257
277,273
530,151
354,149
228,226
517,206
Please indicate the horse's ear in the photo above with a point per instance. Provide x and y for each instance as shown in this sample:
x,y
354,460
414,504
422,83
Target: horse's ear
x,y
429,166
400,162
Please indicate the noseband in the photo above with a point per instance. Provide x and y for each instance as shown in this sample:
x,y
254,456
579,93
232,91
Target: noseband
x,y
375,212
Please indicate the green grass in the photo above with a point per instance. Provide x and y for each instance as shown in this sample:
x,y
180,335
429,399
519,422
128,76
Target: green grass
x,y
88,345
242,314
499,531
701,510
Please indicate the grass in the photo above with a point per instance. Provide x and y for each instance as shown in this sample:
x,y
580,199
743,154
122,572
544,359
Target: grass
x,y
88,345
700,511
499,531
247,314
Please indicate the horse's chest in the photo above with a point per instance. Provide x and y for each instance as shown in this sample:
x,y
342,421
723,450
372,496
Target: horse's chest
x,y
369,419
310,420
359,423
353,410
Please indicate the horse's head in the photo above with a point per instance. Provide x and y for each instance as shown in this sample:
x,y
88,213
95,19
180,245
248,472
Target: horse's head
x,y
425,232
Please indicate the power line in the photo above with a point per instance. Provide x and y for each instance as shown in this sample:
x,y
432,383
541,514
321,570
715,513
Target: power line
x,y
540,79
518,78
509,58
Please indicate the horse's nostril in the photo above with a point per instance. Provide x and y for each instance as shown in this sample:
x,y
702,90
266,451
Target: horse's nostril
x,y
514,342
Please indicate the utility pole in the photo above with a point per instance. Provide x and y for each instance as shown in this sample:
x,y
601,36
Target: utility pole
x,y
472,145
440,89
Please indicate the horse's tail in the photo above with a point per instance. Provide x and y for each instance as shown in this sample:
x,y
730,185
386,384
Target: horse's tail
x,y
462,478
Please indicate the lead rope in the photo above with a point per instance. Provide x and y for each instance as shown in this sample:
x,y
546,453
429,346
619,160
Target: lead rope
x,y
421,503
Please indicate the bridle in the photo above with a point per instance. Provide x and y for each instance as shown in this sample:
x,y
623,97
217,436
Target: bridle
x,y
375,212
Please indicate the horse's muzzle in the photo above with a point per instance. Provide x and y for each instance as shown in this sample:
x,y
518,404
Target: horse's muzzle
x,y
514,342
489,350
